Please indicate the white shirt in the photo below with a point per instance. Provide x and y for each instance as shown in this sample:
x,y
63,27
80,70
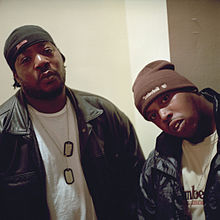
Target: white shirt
x,y
196,160
65,201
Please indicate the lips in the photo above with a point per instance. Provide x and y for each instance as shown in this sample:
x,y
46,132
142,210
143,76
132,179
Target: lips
x,y
47,75
176,125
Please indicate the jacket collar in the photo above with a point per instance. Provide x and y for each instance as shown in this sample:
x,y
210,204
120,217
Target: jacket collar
x,y
85,113
17,121
213,97
168,154
80,102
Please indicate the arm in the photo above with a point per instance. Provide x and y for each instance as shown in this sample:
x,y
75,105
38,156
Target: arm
x,y
130,159
147,203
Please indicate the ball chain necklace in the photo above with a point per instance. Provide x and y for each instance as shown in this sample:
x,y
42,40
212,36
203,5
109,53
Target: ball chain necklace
x,y
67,152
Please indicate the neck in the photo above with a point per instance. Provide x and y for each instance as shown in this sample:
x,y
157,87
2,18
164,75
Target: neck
x,y
48,106
206,124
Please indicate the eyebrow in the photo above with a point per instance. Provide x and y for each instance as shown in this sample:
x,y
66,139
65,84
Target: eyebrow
x,y
38,45
43,43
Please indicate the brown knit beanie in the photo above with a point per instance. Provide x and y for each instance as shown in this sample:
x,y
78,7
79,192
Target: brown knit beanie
x,y
156,78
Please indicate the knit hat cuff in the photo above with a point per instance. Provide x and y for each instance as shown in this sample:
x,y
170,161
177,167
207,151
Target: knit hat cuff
x,y
152,82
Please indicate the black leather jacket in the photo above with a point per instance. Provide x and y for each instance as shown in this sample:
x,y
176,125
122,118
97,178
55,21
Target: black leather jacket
x,y
110,155
162,195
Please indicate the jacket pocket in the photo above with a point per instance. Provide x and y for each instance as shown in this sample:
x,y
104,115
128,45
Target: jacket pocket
x,y
21,196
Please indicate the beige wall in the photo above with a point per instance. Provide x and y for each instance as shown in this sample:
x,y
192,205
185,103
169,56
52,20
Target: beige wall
x,y
106,42
148,40
195,40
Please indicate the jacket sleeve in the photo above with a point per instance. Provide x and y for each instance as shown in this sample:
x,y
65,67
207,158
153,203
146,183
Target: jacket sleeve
x,y
147,203
127,141
128,159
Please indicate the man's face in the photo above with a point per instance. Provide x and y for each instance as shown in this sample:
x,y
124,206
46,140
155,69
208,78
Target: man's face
x,y
176,113
40,71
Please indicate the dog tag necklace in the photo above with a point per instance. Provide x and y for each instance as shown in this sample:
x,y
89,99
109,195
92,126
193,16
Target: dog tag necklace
x,y
67,152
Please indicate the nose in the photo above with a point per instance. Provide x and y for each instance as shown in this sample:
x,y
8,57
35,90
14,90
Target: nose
x,y
165,114
40,61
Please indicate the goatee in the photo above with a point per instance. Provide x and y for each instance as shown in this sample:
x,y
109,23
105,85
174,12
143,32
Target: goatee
x,y
42,95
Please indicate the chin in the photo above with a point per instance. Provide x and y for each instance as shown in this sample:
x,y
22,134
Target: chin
x,y
44,95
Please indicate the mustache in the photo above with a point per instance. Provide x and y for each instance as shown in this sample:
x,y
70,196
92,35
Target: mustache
x,y
47,73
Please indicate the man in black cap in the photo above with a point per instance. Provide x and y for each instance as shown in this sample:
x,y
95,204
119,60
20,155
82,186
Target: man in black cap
x,y
64,154
181,177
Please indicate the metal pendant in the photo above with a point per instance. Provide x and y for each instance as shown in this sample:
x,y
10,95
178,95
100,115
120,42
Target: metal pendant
x,y
68,175
68,149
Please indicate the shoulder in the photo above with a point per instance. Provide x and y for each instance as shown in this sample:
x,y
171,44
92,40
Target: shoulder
x,y
210,94
88,100
12,109
93,99
5,110
149,163
168,145
7,105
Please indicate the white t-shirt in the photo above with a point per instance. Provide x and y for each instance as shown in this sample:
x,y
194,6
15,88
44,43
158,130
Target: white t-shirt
x,y
65,201
196,160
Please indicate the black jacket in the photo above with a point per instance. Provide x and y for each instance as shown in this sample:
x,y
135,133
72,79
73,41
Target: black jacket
x,y
110,155
162,194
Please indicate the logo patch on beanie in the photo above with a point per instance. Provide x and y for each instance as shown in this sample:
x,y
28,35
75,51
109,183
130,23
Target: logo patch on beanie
x,y
21,44
156,89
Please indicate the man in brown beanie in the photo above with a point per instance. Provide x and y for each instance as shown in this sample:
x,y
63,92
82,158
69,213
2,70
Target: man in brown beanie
x,y
181,176
64,154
